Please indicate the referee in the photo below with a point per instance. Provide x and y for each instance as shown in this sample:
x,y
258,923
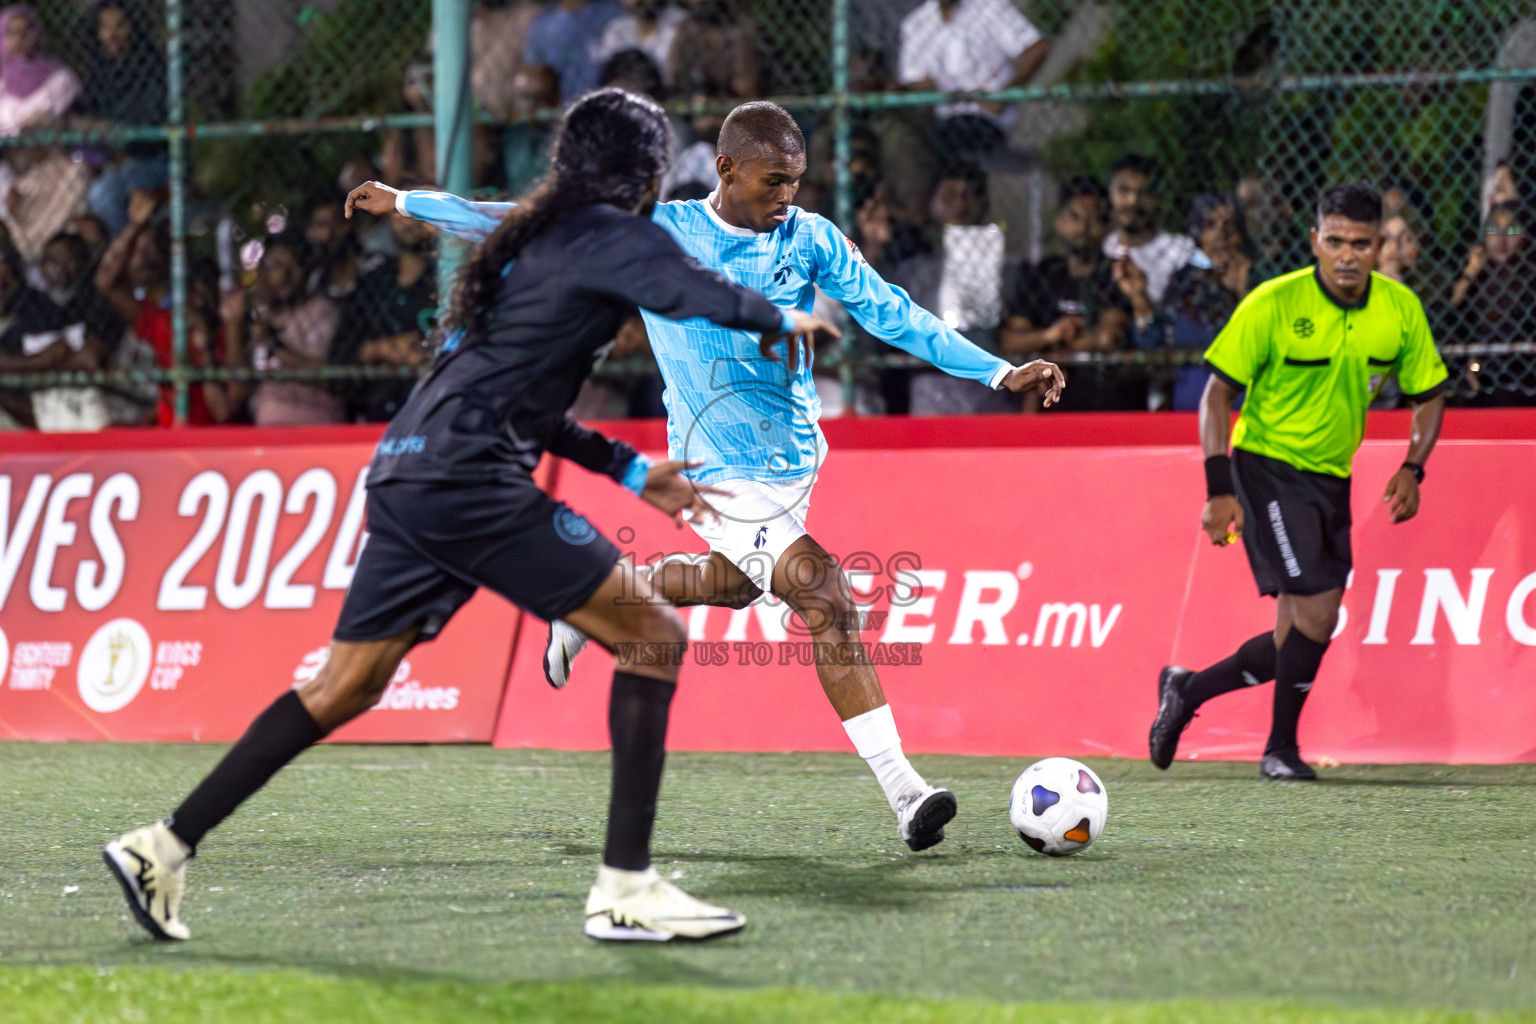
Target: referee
x,y
1312,348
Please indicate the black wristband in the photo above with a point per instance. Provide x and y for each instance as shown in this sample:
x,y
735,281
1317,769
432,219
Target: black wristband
x,y
1416,469
1218,476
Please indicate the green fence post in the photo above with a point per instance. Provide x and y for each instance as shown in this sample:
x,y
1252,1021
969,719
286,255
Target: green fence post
x,y
842,175
177,141
452,123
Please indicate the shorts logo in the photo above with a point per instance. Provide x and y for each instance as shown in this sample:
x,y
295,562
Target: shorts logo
x,y
760,539
1303,327
113,665
573,527
1283,539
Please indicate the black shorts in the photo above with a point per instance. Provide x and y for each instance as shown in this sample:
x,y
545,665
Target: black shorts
x,y
1295,525
431,546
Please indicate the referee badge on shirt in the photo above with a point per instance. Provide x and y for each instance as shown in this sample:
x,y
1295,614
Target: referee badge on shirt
x,y
1303,327
573,527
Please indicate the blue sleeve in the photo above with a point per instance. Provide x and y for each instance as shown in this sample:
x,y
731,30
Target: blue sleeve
x,y
889,313
456,216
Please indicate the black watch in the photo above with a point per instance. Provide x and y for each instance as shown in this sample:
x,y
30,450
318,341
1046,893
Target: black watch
x,y
1416,469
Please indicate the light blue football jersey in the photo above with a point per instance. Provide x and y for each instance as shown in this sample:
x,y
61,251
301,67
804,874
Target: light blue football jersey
x,y
745,416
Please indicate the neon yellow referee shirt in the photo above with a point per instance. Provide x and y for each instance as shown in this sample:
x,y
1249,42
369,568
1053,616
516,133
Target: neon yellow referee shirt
x,y
1312,365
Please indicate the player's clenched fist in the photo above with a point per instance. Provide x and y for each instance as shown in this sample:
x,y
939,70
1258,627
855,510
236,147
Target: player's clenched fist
x,y
373,197
1222,520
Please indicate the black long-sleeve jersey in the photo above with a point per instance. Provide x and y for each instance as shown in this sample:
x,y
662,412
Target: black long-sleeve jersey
x,y
493,404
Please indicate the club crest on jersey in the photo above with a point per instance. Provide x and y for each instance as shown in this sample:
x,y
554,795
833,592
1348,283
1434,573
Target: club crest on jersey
x,y
782,271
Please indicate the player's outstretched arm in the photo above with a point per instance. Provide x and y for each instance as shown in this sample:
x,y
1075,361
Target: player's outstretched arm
x,y
1222,518
889,313
1402,494
447,212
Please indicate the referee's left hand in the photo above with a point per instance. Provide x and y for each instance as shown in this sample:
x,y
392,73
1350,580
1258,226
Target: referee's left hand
x,y
675,494
1402,496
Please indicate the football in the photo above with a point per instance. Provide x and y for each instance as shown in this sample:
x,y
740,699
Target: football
x,y
1058,806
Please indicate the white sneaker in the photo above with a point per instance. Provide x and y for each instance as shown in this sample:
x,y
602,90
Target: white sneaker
x,y
565,642
656,913
924,814
142,863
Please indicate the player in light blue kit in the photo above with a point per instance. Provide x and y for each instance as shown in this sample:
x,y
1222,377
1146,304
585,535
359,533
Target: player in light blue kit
x,y
752,420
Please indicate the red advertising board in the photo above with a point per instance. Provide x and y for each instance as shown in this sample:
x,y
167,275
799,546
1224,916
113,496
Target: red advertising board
x,y
1054,585
1024,580
172,593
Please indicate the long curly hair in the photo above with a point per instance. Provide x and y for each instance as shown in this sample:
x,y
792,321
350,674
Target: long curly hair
x,y
610,147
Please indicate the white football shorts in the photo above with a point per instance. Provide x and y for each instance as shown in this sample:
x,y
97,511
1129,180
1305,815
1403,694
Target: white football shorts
x,y
757,523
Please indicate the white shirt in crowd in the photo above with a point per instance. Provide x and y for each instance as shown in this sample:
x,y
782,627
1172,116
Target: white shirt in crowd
x,y
975,49
48,100
1159,258
623,33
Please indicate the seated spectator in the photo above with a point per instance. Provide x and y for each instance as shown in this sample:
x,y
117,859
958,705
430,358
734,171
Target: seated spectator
x,y
1135,199
693,175
649,26
954,45
959,281
1069,302
409,152
1493,296
635,71
567,38
41,191
31,339
34,89
290,328
1492,301
93,231
498,35
124,84
525,145
133,278
386,321
1280,242
1202,295
716,52
334,260
1400,245
66,272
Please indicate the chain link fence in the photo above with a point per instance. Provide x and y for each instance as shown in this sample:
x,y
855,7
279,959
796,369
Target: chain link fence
x,y
1094,182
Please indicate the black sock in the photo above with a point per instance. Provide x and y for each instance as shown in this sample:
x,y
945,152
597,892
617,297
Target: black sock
x,y
637,727
1254,663
1295,669
278,735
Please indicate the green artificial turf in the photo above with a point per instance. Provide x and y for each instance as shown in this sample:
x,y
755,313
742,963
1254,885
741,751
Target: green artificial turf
x,y
404,881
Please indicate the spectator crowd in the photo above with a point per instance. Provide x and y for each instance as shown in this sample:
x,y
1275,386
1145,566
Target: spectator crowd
x,y
85,241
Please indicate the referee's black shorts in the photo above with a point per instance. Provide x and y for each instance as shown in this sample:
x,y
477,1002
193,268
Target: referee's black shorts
x,y
430,546
1295,525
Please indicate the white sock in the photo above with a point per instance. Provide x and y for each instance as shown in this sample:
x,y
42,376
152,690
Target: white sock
x,y
874,736
619,884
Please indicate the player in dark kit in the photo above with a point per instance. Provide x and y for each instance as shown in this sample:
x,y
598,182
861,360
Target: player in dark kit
x,y
452,507
1312,348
